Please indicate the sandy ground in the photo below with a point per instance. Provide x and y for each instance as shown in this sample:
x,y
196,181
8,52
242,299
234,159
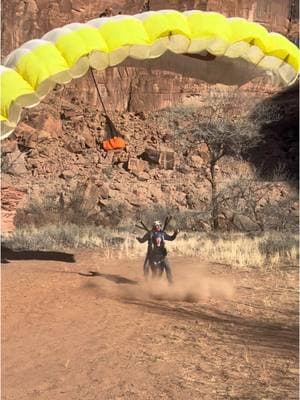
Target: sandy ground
x,y
218,333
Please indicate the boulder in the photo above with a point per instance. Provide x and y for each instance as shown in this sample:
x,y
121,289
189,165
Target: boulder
x,y
103,191
196,161
14,163
9,146
180,198
120,157
68,174
26,135
191,200
142,176
244,223
108,158
136,165
44,121
88,195
167,159
202,151
74,147
89,139
52,125
151,155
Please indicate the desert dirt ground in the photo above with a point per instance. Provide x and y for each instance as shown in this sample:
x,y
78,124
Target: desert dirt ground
x,y
218,333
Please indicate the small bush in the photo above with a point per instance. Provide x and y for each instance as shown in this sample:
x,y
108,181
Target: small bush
x,y
281,243
55,237
42,210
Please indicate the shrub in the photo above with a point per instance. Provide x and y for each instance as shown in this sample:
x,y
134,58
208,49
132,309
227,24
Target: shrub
x,y
79,208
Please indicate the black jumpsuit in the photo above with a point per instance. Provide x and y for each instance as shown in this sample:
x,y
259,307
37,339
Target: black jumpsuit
x,y
149,236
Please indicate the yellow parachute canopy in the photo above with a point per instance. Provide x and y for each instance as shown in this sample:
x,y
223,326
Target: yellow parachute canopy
x,y
238,47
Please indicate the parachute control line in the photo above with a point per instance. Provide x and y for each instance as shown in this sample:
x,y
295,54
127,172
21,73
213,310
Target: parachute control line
x,y
31,71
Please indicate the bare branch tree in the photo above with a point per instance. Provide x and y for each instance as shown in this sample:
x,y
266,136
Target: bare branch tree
x,y
224,125
246,200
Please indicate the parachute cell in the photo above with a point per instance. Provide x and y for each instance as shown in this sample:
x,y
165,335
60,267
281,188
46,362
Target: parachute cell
x,y
31,71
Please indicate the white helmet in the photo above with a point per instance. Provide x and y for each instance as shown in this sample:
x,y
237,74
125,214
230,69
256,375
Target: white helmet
x,y
157,223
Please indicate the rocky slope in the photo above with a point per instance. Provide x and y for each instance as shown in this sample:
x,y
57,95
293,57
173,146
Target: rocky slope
x,y
56,153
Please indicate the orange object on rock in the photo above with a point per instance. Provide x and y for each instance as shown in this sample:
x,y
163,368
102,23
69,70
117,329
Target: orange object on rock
x,y
114,143
114,138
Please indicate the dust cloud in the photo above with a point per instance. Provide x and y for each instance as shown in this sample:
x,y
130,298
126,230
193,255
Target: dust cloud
x,y
194,286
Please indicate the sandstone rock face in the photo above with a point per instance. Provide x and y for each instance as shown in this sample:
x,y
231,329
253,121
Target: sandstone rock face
x,y
30,19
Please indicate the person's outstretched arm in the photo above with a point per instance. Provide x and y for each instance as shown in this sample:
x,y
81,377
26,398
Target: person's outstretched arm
x,y
144,238
171,237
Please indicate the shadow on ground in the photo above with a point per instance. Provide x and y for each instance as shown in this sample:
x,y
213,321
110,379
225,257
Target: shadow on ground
x,y
110,277
8,254
274,336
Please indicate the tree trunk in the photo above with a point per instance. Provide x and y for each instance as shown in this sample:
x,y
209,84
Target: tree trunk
x,y
214,198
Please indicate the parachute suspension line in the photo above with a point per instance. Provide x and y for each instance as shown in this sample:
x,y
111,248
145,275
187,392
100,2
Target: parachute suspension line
x,y
114,139
98,92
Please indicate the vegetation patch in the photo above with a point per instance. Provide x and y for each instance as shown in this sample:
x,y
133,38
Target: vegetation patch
x,y
269,250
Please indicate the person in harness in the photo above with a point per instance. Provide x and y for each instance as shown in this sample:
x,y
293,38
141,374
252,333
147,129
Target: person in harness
x,y
156,257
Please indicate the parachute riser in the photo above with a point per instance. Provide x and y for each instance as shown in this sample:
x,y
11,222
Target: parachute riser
x,y
167,221
144,227
141,227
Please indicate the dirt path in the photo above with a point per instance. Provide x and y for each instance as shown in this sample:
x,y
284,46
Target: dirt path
x,y
219,334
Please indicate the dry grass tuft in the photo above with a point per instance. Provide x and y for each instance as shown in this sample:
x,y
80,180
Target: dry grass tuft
x,y
239,250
